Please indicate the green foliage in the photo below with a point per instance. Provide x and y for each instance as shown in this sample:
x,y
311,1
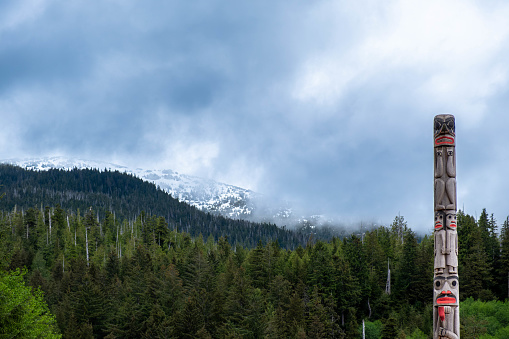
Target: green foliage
x,y
373,330
503,267
151,274
143,281
23,312
128,198
474,264
484,318
390,327
417,334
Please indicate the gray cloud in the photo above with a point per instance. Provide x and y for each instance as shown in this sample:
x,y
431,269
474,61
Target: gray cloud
x,y
327,104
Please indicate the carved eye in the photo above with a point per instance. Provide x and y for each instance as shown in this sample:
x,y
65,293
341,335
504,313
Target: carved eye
x,y
438,284
453,282
438,126
450,124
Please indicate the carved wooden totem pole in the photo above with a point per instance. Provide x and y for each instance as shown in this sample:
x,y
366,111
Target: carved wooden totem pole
x,y
446,315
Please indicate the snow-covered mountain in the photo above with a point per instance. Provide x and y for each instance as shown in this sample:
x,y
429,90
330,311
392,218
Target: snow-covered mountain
x,y
207,195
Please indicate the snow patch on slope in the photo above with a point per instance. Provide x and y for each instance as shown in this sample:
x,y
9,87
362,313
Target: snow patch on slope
x,y
206,195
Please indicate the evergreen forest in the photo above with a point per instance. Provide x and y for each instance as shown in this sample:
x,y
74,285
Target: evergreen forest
x,y
99,254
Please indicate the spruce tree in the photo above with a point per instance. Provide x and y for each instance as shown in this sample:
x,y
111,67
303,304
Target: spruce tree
x,y
474,268
405,275
390,328
356,257
503,272
488,228
320,268
257,267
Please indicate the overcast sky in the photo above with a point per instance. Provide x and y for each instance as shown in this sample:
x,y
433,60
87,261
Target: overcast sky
x,y
328,104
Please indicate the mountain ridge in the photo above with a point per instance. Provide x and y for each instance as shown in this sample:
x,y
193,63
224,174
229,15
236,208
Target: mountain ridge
x,y
205,194
107,196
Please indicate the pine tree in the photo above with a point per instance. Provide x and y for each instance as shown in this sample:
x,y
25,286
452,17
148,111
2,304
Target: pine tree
x,y
493,252
162,232
352,327
356,258
257,266
348,292
423,277
377,263
320,268
405,275
390,328
189,320
503,272
488,229
316,318
474,268
296,306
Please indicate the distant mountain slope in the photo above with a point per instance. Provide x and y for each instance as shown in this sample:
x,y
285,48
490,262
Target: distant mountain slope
x,y
206,195
127,197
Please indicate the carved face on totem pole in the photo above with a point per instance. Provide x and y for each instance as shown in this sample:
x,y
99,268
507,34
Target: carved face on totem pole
x,y
444,130
445,162
446,303
439,221
446,323
450,221
446,291
440,243
451,258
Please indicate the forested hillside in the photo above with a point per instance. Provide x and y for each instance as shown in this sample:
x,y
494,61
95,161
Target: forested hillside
x,y
106,278
119,275
127,198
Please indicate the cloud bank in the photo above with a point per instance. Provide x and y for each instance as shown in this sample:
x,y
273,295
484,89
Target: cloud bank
x,y
326,104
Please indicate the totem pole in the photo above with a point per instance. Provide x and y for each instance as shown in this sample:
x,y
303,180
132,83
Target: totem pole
x,y
446,315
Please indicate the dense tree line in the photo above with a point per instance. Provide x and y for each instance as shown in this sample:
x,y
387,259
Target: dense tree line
x,y
108,274
126,196
103,277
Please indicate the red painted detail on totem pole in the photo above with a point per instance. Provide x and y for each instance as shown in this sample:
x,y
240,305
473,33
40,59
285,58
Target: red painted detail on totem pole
x,y
446,300
444,140
441,313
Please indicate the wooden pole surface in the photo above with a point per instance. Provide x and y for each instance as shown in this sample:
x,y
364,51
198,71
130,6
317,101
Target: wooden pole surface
x,y
446,320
